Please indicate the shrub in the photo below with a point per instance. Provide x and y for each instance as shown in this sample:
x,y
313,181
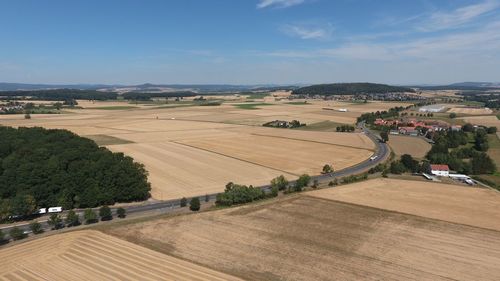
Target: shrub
x,y
194,204
105,213
121,212
17,234
2,237
280,182
239,194
55,221
274,191
90,216
72,219
36,227
327,169
301,182
453,115
184,202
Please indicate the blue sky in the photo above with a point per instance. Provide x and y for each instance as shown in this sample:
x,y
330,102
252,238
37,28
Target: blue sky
x,y
249,41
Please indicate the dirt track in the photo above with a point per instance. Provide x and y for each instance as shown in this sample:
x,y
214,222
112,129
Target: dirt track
x,y
91,255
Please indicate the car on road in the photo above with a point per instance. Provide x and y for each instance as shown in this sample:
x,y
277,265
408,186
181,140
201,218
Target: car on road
x,y
373,158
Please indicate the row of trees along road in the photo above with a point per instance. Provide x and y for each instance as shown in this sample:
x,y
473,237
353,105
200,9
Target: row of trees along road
x,y
57,222
41,168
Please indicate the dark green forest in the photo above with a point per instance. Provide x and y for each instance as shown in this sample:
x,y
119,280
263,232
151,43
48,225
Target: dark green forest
x,y
349,89
148,96
60,94
44,168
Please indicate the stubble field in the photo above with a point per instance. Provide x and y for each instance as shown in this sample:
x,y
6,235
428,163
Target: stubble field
x,y
455,203
305,237
91,255
414,146
194,150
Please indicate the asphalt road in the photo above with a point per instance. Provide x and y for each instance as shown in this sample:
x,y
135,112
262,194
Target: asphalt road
x,y
381,151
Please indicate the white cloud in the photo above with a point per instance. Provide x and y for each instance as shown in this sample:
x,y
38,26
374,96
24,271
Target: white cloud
x,y
458,17
482,43
308,31
278,3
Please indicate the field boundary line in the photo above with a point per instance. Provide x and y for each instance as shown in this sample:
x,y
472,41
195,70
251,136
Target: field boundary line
x,y
232,157
313,141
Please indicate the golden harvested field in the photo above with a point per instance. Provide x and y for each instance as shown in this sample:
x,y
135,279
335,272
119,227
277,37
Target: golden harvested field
x,y
196,150
471,110
414,146
454,203
91,255
177,170
309,238
489,121
285,155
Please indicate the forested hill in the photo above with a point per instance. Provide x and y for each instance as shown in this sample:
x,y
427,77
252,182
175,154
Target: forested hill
x,y
349,89
61,94
44,168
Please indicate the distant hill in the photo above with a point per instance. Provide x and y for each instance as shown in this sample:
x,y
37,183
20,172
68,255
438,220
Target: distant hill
x,y
464,86
350,89
148,87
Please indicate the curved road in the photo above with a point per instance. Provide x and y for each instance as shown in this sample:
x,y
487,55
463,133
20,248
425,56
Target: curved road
x,y
382,151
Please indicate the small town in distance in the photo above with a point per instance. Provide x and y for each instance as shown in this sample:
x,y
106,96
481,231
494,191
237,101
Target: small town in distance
x,y
260,140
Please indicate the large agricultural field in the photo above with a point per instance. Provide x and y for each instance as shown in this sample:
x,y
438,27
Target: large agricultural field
x,y
92,255
320,235
455,203
488,120
193,150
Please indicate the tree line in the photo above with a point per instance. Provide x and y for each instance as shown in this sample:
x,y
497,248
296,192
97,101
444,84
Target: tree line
x,y
60,94
349,89
42,168
56,221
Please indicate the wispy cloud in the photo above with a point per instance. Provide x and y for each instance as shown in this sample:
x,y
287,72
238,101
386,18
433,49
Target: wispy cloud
x,y
278,3
309,31
446,20
479,43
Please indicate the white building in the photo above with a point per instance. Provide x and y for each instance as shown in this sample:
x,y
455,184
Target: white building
x,y
440,170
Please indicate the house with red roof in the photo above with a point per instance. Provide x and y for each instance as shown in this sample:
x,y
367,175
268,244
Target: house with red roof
x,y
440,170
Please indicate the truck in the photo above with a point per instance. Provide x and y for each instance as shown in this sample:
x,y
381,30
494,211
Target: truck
x,y
373,158
55,209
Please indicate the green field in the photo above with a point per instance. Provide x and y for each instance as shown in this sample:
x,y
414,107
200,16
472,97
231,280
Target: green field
x,y
122,107
257,95
250,105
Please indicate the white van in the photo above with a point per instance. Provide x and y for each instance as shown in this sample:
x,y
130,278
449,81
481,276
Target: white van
x,y
42,211
55,209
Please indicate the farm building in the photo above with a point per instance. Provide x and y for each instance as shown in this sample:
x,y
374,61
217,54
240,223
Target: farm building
x,y
432,108
440,170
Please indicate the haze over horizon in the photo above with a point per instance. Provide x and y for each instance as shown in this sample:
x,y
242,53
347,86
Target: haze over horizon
x,y
249,42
